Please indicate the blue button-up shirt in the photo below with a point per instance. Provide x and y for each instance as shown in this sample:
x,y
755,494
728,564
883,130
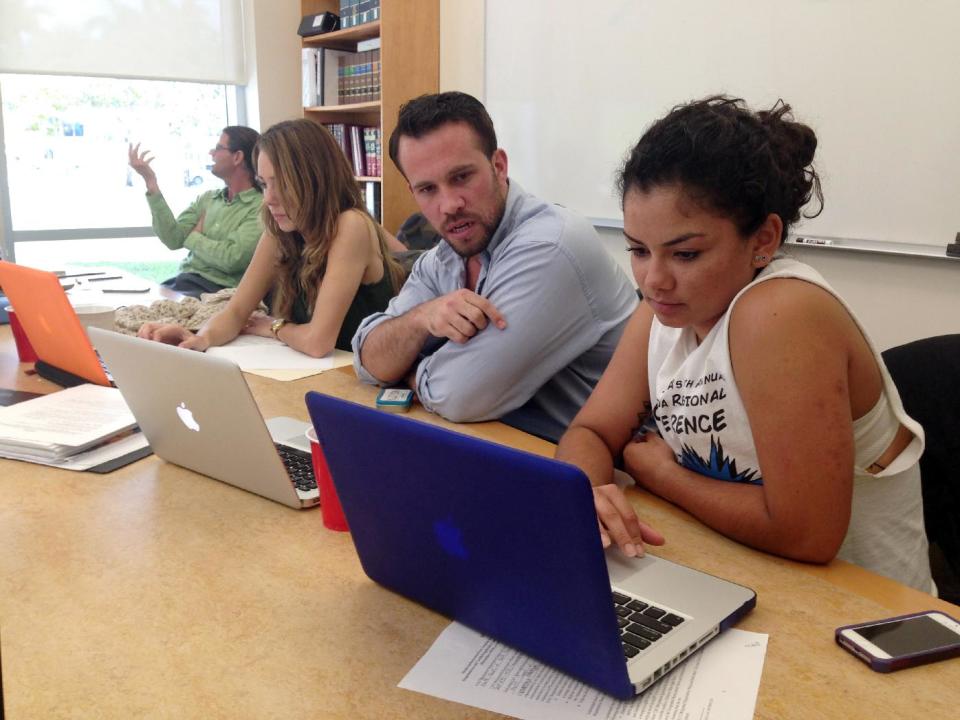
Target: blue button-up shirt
x,y
565,300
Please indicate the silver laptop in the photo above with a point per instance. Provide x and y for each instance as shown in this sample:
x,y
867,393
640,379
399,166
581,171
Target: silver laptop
x,y
197,411
507,543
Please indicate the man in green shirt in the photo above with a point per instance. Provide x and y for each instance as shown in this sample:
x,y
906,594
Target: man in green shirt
x,y
221,227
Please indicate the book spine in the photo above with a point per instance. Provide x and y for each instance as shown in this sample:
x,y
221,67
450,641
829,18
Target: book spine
x,y
362,78
338,130
320,70
372,199
367,76
352,79
353,74
368,151
308,69
356,150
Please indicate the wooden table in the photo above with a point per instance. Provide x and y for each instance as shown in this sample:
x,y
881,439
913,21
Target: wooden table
x,y
156,592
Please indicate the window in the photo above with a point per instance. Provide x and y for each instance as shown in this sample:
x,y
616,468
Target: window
x,y
66,147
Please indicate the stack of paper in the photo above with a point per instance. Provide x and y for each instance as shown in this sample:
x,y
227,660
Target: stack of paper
x,y
71,428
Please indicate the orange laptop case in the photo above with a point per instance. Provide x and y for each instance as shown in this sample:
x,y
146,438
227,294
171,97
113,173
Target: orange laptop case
x,y
50,321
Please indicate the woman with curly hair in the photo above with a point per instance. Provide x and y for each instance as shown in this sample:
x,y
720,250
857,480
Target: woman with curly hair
x,y
743,389
322,260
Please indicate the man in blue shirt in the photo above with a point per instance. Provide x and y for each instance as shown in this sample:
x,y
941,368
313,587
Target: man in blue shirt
x,y
517,313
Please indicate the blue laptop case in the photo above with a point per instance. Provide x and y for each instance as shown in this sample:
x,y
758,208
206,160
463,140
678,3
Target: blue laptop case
x,y
501,540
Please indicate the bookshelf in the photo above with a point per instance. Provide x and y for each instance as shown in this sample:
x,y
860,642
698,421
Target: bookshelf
x,y
410,66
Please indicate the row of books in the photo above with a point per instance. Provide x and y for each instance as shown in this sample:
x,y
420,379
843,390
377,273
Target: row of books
x,y
358,77
340,77
358,12
362,146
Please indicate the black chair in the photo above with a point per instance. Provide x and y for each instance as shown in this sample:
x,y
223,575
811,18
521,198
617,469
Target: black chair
x,y
418,234
927,374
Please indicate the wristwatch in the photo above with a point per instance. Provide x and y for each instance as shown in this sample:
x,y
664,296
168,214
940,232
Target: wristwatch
x,y
276,325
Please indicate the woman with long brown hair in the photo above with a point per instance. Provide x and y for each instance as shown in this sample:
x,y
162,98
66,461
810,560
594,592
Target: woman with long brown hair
x,y
323,260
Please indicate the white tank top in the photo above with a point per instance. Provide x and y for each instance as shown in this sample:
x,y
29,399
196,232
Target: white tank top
x,y
699,412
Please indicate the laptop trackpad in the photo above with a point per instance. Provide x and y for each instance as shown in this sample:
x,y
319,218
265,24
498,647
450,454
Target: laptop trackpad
x,y
287,431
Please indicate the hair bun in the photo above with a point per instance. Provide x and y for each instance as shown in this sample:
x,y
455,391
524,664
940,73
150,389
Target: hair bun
x,y
743,164
794,140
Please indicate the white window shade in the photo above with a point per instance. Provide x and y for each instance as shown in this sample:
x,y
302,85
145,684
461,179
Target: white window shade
x,y
192,40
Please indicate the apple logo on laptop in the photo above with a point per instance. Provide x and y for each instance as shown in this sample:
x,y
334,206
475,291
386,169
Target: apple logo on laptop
x,y
451,538
186,417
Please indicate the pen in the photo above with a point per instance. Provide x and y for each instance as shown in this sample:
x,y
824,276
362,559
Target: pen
x,y
80,274
107,277
813,241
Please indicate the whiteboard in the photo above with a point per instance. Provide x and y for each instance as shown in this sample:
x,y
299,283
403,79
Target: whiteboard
x,y
572,85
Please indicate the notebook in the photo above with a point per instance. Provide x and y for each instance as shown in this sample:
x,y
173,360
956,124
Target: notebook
x,y
507,543
63,349
197,411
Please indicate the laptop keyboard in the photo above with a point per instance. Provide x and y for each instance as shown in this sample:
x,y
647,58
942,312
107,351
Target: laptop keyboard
x,y
641,623
299,466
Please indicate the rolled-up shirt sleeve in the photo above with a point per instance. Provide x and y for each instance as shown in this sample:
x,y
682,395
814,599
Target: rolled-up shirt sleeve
x,y
539,290
419,288
171,230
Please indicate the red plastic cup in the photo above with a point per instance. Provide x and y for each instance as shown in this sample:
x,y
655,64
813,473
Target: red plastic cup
x,y
330,507
24,348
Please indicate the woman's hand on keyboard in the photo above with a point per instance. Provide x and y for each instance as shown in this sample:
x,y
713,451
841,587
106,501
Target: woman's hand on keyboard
x,y
619,522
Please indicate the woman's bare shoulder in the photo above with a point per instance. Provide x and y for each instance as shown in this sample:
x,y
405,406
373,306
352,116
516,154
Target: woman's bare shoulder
x,y
783,303
353,222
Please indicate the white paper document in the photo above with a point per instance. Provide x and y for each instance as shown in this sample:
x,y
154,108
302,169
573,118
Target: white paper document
x,y
256,354
111,449
720,681
64,422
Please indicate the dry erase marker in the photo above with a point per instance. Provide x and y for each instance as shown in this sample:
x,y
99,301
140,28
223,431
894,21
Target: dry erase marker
x,y
814,241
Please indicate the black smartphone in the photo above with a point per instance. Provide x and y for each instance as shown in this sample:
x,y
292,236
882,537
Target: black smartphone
x,y
903,641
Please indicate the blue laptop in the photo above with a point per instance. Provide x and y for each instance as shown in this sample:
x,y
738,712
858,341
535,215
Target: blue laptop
x,y
506,542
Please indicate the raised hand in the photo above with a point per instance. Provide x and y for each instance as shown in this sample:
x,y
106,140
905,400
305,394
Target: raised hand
x,y
140,162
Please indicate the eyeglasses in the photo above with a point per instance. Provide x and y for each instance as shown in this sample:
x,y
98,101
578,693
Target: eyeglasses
x,y
218,146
